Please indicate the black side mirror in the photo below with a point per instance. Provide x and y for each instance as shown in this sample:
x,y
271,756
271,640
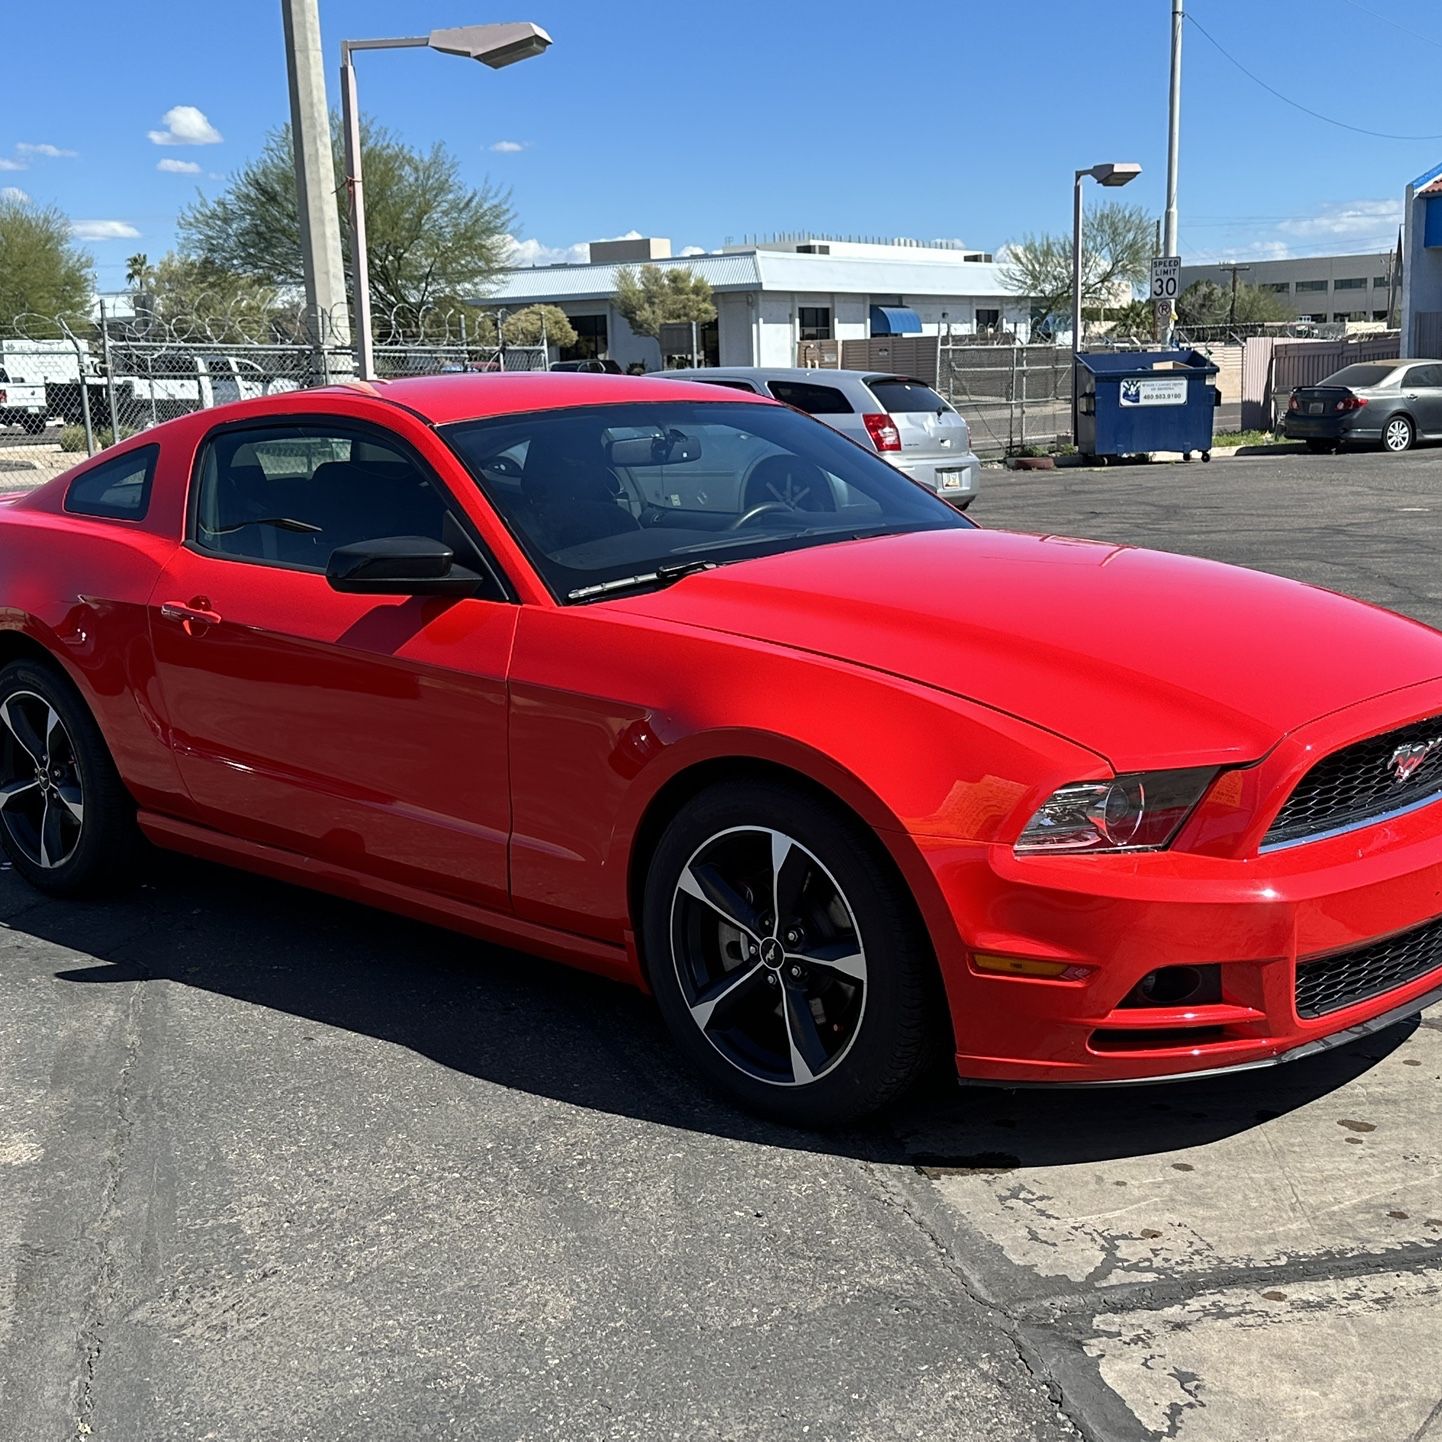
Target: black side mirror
x,y
399,566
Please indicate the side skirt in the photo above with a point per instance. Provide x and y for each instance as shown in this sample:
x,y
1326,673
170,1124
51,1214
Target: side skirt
x,y
617,962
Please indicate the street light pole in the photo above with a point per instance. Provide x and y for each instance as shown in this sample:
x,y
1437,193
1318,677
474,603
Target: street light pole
x,y
1174,137
1114,174
493,45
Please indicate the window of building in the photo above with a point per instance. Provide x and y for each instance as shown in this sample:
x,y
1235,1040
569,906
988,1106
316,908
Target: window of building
x,y
1346,315
814,321
1276,287
1379,315
988,319
708,343
117,490
1351,282
1304,286
591,338
1381,282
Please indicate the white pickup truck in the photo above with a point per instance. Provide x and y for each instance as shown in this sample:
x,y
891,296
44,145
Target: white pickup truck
x,y
21,404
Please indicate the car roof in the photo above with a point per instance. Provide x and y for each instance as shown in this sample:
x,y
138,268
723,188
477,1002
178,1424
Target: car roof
x,y
464,396
820,374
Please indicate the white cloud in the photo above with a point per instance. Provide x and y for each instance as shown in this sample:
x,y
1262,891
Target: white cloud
x,y
7,164
185,125
178,167
104,230
13,192
693,250
54,152
508,147
1353,218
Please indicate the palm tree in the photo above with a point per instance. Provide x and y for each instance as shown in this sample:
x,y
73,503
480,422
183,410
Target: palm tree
x,y
137,270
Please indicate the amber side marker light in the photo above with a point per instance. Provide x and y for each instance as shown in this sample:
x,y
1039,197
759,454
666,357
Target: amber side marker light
x,y
1021,966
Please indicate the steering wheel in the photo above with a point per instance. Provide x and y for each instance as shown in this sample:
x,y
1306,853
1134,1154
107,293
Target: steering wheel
x,y
746,517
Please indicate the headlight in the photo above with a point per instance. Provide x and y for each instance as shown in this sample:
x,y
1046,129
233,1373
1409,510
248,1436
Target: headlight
x,y
1140,812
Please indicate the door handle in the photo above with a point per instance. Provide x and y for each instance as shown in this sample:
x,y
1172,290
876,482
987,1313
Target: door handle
x,y
196,613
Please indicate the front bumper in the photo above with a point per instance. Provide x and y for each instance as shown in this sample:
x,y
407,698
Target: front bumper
x,y
1218,899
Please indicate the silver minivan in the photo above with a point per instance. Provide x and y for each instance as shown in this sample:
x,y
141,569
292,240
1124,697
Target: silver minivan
x,y
903,420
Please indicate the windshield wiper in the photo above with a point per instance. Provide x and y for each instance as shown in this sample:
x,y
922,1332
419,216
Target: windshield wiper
x,y
662,575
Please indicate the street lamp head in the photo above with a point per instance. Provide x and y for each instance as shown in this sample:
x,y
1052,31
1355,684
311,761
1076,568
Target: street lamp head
x,y
493,45
1119,173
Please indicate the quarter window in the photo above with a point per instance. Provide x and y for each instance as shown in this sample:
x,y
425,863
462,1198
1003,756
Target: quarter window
x,y
117,490
813,399
290,495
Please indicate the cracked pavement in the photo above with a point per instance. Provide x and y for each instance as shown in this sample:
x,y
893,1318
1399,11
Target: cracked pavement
x,y
273,1166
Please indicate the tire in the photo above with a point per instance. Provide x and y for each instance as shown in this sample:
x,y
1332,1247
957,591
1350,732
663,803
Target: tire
x,y
740,1000
74,832
1321,448
1398,435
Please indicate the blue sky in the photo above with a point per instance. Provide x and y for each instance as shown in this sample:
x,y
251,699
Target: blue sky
x,y
933,118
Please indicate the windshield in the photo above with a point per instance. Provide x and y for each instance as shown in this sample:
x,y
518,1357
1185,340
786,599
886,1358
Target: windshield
x,y
600,494
1360,375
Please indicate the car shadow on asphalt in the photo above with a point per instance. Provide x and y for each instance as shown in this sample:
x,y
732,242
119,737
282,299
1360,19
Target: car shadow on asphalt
x,y
515,1021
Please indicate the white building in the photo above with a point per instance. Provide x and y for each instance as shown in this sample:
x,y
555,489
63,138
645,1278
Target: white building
x,y
774,295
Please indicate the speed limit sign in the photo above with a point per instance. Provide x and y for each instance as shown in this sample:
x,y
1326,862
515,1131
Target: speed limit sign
x,y
1166,277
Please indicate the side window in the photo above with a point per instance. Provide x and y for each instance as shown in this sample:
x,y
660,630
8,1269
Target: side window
x,y
291,495
813,399
117,490
730,385
1424,376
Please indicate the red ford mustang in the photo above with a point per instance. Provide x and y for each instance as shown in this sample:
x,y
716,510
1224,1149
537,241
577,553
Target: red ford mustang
x,y
686,688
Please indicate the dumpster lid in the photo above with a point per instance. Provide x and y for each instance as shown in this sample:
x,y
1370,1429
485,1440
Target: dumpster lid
x,y
1128,363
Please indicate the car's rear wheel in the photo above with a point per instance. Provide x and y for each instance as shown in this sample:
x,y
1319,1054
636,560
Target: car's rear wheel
x,y
1321,448
1399,434
787,959
66,821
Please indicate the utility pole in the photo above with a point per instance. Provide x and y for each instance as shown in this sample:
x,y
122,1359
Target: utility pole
x,y
327,318
1174,137
1236,270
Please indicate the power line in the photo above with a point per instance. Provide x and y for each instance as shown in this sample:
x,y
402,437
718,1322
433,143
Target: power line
x,y
1296,104
1396,25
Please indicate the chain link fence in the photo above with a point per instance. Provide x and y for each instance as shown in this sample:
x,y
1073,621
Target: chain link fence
x,y
1013,396
66,393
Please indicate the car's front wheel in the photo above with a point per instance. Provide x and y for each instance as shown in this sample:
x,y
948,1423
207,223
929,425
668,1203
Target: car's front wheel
x,y
66,821
1399,434
787,959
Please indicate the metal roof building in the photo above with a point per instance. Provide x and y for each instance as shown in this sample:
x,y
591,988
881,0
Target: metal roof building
x,y
772,297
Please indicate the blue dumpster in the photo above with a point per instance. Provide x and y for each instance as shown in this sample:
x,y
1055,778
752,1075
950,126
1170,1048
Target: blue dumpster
x,y
1151,400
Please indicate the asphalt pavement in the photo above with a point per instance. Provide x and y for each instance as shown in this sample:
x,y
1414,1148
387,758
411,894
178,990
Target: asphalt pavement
x,y
277,1167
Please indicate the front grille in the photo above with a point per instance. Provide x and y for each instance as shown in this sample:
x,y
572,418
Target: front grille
x,y
1360,782
1338,981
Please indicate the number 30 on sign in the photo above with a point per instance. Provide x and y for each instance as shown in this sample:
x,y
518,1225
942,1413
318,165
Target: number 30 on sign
x,y
1166,277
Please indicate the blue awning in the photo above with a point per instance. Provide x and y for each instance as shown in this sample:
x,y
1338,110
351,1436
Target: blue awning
x,y
894,320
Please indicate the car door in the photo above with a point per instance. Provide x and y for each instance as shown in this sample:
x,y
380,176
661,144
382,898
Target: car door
x,y
1422,395
367,731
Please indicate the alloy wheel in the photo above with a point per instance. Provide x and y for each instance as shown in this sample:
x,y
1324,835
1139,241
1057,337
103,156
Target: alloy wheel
x,y
1398,435
768,955
42,799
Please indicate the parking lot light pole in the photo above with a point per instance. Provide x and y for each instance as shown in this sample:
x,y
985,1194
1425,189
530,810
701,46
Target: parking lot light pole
x,y
493,45
1112,175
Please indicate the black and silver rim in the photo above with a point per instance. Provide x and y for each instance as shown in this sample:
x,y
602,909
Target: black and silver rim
x,y
42,802
1399,435
768,956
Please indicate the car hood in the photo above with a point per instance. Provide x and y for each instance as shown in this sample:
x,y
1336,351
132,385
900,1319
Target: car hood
x,y
1146,658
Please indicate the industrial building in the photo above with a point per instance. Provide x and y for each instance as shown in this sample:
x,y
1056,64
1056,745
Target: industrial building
x,y
1320,288
778,296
